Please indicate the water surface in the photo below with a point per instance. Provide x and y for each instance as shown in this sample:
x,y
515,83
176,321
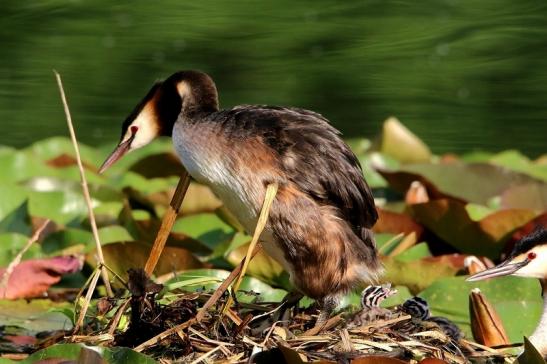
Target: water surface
x,y
462,74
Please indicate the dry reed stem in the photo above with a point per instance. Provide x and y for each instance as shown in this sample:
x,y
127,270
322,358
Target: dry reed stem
x,y
158,338
15,262
87,300
223,287
332,322
271,191
167,223
85,188
117,316
207,354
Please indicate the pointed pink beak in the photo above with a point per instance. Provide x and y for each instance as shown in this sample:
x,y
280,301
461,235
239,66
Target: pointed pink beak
x,y
119,152
503,269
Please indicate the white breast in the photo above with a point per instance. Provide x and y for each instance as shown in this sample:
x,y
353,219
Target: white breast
x,y
203,154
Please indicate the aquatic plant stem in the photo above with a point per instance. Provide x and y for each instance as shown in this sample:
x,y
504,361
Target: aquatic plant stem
x,y
87,196
271,191
167,223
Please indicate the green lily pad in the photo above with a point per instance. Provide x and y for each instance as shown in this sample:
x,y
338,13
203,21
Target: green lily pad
x,y
115,233
517,161
57,241
416,274
482,180
17,221
400,143
50,148
249,284
13,196
207,228
34,316
448,297
61,207
82,353
262,266
12,243
416,252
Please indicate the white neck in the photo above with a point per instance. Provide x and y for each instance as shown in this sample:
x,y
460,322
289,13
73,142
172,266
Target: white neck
x,y
539,337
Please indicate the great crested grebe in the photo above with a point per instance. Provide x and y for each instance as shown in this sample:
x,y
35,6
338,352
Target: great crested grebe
x,y
527,259
320,223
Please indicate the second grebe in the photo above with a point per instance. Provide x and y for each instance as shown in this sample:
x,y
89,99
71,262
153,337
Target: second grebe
x,y
527,259
320,223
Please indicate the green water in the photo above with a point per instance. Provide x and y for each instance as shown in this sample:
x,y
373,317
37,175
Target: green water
x,y
463,74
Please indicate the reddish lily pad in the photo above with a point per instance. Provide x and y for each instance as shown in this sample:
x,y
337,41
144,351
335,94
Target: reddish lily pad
x,y
450,220
31,278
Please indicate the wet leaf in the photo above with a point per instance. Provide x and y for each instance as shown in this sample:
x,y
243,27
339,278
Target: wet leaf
x,y
401,144
31,278
450,220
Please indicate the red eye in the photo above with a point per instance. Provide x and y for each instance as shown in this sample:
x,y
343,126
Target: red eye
x,y
531,255
134,129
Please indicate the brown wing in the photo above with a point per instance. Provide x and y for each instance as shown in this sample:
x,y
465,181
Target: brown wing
x,y
312,155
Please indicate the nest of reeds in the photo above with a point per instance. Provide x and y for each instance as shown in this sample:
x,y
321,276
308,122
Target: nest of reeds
x,y
263,332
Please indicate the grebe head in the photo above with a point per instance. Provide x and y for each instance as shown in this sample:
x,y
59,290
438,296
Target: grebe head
x,y
527,259
185,92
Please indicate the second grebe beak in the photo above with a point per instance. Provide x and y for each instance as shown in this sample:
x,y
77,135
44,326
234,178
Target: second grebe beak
x,y
120,150
504,269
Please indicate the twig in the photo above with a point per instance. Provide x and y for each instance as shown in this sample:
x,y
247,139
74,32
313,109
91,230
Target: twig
x,y
117,316
87,300
207,354
167,223
85,189
15,262
158,338
223,287
271,191
332,322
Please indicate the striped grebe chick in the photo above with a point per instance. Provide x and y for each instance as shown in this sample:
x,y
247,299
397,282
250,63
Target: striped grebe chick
x,y
371,298
320,222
